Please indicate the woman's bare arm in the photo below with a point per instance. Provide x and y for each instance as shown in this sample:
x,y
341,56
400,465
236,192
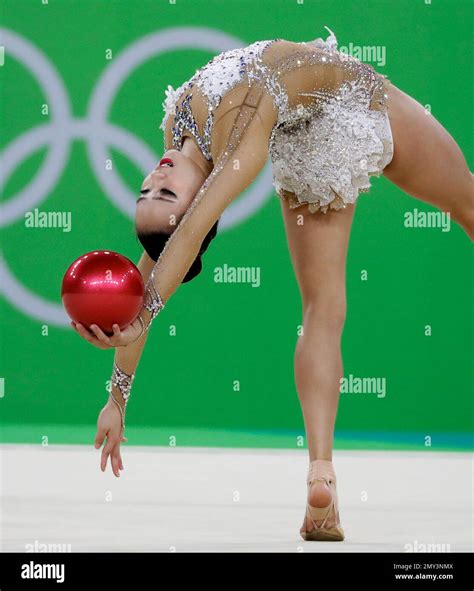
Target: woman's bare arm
x,y
127,358
109,423
239,161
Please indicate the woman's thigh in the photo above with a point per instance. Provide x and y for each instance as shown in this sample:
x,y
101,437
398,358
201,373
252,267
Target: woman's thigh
x,y
318,247
427,162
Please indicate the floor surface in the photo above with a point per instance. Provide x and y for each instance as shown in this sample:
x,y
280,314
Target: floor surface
x,y
229,500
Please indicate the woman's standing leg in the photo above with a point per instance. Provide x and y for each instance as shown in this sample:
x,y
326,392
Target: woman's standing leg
x,y
318,246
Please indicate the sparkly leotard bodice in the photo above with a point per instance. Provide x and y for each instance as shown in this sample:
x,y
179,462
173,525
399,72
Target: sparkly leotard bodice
x,y
319,114
331,128
219,76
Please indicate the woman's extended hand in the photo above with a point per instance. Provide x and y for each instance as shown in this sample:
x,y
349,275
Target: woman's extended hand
x,y
109,424
120,338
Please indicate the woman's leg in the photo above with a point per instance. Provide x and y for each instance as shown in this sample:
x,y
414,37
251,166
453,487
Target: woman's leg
x,y
427,162
318,246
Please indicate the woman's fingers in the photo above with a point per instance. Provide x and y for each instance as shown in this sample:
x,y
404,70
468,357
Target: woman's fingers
x,y
112,449
115,461
108,447
100,334
85,334
113,340
99,339
100,436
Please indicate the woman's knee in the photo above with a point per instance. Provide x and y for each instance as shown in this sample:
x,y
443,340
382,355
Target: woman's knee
x,y
327,311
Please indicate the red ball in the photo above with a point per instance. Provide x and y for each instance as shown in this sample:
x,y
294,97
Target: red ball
x,y
104,288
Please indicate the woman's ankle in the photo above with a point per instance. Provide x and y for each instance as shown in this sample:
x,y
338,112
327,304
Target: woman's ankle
x,y
318,455
321,469
321,461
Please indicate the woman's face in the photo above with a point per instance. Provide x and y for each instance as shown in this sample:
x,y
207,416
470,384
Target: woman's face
x,y
167,192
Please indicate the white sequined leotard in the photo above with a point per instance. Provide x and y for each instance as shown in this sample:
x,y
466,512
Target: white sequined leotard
x,y
319,114
326,142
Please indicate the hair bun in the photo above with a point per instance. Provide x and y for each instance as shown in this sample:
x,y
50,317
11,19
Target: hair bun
x,y
155,242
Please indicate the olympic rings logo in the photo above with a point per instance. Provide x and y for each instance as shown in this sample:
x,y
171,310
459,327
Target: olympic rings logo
x,y
99,135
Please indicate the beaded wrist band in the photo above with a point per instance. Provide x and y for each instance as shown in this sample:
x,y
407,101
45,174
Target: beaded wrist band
x,y
153,302
123,381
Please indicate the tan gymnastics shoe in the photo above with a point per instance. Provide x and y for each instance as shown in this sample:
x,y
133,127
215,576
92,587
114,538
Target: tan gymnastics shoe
x,y
322,470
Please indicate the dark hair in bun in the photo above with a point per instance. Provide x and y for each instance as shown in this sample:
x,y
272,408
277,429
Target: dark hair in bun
x,y
154,242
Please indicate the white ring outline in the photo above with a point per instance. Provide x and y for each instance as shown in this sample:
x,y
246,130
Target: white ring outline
x,y
98,135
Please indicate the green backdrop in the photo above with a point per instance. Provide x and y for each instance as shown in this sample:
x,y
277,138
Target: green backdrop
x,y
54,383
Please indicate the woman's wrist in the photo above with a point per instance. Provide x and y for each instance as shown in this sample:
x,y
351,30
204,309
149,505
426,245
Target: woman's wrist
x,y
122,381
116,401
115,397
121,388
